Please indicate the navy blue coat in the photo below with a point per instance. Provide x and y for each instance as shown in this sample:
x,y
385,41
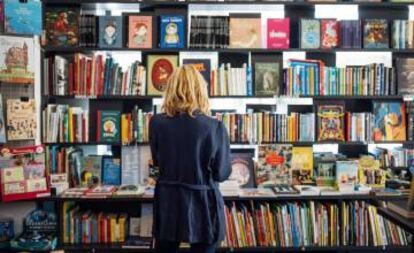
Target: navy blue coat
x,y
193,154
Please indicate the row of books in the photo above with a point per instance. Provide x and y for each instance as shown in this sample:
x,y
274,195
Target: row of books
x,y
312,77
231,81
402,34
396,157
410,118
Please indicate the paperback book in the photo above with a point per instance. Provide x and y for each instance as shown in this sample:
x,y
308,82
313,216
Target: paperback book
x,y
23,17
172,31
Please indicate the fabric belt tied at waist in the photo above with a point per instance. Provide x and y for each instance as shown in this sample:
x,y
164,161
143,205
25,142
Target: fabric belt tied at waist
x,y
199,187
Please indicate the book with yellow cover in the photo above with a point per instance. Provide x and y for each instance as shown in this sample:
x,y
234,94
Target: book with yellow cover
x,y
302,165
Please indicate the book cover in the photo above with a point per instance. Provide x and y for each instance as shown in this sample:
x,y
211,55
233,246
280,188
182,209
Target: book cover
x,y
274,164
302,165
242,169
91,170
61,25
159,67
330,33
325,173
278,33
12,174
172,29
23,17
389,121
14,188
405,76
245,31
17,60
140,31
266,78
36,185
346,175
34,171
330,122
310,33
111,171
376,33
21,119
202,65
110,31
110,126
2,122
370,173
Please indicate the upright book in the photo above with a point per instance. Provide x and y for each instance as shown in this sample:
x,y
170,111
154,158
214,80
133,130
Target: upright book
x,y
159,67
140,31
389,121
61,25
267,78
245,31
108,126
302,165
376,34
110,31
111,171
21,119
405,75
346,175
278,33
310,33
330,33
331,122
202,65
23,17
274,165
172,31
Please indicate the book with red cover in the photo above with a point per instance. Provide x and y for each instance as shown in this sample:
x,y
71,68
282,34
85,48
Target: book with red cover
x,y
278,33
330,31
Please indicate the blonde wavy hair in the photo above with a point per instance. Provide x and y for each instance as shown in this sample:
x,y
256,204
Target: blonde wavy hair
x,y
186,92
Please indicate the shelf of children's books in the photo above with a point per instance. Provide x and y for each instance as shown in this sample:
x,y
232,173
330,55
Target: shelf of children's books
x,y
95,247
354,97
102,97
90,143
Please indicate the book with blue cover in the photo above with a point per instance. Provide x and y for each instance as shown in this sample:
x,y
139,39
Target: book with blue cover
x,y
110,31
111,171
172,29
23,17
310,33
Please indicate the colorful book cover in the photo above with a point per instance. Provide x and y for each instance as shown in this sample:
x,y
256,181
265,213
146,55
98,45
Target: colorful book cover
x,y
405,75
23,17
91,171
172,29
376,33
274,165
110,126
346,175
302,165
278,33
111,171
310,33
61,25
325,173
330,120
110,31
389,121
17,60
21,119
370,173
2,123
202,65
266,78
242,169
330,33
245,31
140,32
159,67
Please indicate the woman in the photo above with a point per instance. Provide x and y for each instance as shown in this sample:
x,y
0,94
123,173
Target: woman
x,y
192,152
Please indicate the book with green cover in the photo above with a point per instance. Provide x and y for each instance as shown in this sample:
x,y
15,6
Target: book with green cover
x,y
109,126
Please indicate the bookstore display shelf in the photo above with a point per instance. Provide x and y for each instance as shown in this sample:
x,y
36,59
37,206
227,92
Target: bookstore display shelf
x,y
355,97
102,97
91,143
407,224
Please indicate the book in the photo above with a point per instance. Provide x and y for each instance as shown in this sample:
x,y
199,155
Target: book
x,y
376,33
109,126
100,191
245,31
91,170
23,17
207,31
129,191
130,165
172,31
2,122
370,173
310,33
61,25
351,34
330,32
302,165
325,173
331,123
346,175
111,171
202,65
389,121
140,31
17,62
278,33
405,70
21,119
274,165
242,171
88,30
110,31
267,78
159,67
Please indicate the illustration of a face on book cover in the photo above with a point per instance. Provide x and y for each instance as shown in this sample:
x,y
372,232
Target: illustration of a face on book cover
x,y
331,123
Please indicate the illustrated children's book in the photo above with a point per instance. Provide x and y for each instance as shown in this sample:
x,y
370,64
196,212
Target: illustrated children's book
x,y
330,33
110,31
61,25
242,170
274,165
267,78
302,165
21,119
330,120
245,31
370,173
376,33
310,33
140,31
346,175
91,170
172,29
111,171
405,75
17,60
278,33
389,121
109,126
2,122
202,65
23,17
159,67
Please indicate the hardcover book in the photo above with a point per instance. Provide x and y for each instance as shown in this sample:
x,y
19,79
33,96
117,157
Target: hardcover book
x,y
331,122
266,78
109,126
110,31
405,76
23,17
61,25
140,31
389,121
370,173
346,175
172,29
310,33
202,65
21,119
91,171
111,171
325,173
329,33
245,31
17,60
278,33
2,123
274,165
159,67
302,165
242,170
376,33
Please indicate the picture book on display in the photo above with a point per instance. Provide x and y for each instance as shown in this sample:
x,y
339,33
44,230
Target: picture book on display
x,y
140,31
109,126
21,119
245,31
61,25
159,68
111,171
17,60
405,76
331,122
267,78
302,165
91,170
2,122
346,175
202,65
389,121
23,17
242,170
376,33
325,173
310,33
172,31
110,31
330,30
274,164
370,173
278,33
